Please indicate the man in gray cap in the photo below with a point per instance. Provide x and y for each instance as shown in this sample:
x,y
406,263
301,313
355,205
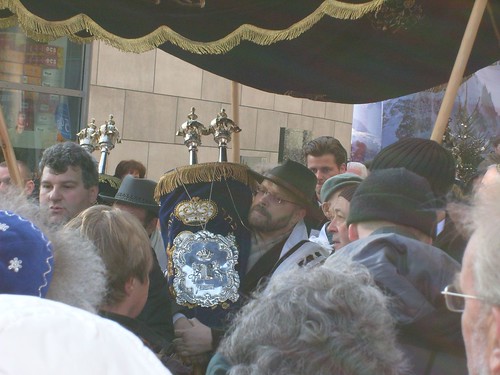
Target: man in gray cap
x,y
336,194
391,222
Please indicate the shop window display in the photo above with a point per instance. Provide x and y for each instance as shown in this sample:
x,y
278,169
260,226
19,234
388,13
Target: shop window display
x,y
42,92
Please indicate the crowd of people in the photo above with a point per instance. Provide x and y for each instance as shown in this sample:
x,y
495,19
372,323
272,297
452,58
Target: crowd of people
x,y
345,269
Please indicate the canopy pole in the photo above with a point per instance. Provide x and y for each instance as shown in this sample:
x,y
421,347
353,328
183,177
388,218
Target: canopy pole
x,y
458,70
8,153
235,99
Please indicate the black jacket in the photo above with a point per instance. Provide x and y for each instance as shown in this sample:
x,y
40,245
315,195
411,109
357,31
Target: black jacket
x,y
413,274
157,313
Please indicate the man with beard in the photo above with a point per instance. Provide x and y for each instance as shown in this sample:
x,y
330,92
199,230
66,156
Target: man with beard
x,y
477,292
282,200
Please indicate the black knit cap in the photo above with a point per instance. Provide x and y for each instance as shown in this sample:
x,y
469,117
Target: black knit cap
x,y
395,195
423,157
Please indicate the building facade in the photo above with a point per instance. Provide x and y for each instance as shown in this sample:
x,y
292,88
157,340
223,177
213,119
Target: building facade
x,y
50,91
151,94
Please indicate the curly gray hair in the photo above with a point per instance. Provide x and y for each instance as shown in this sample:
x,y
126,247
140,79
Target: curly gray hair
x,y
315,321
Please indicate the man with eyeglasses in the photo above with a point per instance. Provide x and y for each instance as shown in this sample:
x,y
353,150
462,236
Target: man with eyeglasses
x,y
282,200
279,240
477,291
336,195
5,181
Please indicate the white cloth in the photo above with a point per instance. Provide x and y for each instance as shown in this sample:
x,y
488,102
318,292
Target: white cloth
x,y
321,237
309,253
43,337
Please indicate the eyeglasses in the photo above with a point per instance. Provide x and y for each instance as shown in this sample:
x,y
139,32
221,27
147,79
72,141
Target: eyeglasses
x,y
325,207
455,301
335,215
260,191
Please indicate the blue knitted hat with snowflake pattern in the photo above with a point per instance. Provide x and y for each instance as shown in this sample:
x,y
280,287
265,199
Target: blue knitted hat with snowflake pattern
x,y
26,257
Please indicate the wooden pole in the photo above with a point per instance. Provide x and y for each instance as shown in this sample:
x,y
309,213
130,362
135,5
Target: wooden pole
x,y
8,153
458,70
235,99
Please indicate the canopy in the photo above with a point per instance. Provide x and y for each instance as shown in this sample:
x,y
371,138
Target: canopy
x,y
345,52
349,51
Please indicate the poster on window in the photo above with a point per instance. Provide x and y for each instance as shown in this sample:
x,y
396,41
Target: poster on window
x,y
477,106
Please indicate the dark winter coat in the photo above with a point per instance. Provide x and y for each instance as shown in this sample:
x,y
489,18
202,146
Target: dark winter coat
x,y
413,274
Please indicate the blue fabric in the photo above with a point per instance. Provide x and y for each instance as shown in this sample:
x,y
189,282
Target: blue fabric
x,y
26,257
233,200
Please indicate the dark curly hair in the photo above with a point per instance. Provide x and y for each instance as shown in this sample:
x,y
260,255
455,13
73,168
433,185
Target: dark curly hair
x,y
68,154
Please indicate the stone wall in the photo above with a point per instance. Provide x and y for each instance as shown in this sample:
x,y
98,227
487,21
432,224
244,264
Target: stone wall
x,y
151,94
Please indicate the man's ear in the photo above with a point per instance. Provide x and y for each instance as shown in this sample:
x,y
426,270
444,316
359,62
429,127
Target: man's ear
x,y
494,360
93,191
151,226
343,168
353,232
29,186
129,286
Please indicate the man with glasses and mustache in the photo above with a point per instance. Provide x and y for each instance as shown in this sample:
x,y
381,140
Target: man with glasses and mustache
x,y
282,200
476,293
279,241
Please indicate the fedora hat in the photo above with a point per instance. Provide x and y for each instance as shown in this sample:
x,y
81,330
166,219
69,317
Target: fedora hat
x,y
136,192
298,180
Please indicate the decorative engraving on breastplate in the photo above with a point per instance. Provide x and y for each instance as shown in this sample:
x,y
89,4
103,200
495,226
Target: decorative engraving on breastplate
x,y
204,266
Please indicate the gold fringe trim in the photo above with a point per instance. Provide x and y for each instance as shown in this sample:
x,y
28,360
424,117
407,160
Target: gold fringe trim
x,y
43,30
112,181
206,172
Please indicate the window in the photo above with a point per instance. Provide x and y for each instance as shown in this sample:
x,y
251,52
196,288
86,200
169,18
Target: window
x,y
43,91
